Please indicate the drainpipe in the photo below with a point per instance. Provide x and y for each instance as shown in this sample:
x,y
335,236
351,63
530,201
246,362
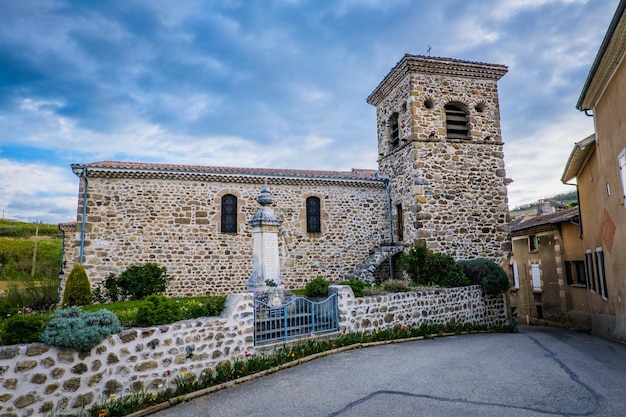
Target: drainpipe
x,y
82,231
61,264
385,180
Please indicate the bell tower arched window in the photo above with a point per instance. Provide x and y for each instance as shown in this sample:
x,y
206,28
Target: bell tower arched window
x,y
456,122
394,130
229,214
313,215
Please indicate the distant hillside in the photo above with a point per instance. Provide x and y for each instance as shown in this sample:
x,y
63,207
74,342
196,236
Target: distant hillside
x,y
557,202
17,245
14,228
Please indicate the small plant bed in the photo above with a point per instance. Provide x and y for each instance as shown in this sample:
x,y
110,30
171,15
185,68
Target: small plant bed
x,y
27,328
188,386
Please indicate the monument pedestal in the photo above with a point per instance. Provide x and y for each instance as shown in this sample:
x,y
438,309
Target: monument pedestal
x,y
266,263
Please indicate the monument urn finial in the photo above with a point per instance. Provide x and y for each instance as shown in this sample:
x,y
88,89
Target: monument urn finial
x,y
265,197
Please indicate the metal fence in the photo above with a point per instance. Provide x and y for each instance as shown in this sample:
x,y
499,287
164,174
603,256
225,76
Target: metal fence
x,y
298,317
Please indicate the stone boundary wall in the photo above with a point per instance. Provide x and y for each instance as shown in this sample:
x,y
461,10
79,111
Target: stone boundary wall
x,y
429,305
38,379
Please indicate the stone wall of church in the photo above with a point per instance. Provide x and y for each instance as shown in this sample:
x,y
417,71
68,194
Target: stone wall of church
x,y
452,193
453,197
176,224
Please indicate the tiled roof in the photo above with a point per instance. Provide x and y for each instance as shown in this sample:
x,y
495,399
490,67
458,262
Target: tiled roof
x,y
117,166
547,219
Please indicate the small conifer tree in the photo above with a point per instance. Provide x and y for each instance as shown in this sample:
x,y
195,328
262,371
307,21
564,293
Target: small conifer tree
x,y
77,288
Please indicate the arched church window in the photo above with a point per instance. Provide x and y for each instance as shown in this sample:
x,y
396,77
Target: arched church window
x,y
229,214
394,130
313,215
456,122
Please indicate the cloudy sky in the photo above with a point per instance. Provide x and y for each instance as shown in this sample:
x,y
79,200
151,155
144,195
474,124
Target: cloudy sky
x,y
267,83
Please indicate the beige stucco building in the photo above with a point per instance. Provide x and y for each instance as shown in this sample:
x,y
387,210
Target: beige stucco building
x,y
598,164
548,270
441,182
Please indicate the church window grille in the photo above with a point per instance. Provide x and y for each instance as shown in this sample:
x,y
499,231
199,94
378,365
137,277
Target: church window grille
x,y
313,215
229,214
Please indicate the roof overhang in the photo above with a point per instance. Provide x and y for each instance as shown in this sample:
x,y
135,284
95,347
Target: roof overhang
x,y
608,59
578,158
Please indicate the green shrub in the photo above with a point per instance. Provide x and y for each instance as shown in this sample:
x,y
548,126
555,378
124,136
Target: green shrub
x,y
75,329
427,268
317,288
77,288
396,285
22,329
486,273
38,296
357,286
137,282
157,309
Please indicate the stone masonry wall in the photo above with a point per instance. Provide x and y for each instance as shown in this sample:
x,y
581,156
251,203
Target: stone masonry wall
x,y
176,224
40,379
452,191
453,197
429,305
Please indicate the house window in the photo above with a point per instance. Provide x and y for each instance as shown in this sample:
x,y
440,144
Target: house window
x,y
515,275
532,243
394,130
601,273
621,160
456,122
575,273
313,220
536,276
590,272
229,214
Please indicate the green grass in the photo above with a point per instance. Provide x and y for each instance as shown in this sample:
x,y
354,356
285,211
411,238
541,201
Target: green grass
x,y
24,230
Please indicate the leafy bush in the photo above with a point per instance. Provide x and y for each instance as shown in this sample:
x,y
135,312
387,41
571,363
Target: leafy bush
x,y
137,282
22,329
486,273
396,285
427,268
357,286
317,288
157,309
38,296
77,288
75,329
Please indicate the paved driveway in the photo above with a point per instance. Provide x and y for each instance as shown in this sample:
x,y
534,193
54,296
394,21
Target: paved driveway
x,y
537,372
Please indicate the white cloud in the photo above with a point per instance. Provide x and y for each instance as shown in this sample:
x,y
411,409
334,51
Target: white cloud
x,y
504,10
536,163
32,191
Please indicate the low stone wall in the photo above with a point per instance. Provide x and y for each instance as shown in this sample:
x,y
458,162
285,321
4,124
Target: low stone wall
x,y
429,305
41,379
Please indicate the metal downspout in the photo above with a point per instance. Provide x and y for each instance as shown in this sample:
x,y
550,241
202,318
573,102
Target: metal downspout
x,y
385,179
61,263
84,220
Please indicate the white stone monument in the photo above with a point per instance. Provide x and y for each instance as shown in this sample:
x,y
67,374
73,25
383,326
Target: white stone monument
x,y
266,274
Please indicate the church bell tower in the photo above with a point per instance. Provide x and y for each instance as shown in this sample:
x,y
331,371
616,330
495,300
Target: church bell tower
x,y
440,145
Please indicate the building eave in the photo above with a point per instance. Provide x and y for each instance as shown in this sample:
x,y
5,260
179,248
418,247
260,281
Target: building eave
x,y
608,59
578,158
434,65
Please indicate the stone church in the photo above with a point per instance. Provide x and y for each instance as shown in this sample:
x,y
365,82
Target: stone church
x,y
440,182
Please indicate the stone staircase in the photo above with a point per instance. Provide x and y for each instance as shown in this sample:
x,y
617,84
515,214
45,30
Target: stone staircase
x,y
366,271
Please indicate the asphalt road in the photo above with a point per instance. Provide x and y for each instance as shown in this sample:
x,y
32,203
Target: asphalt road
x,y
536,372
